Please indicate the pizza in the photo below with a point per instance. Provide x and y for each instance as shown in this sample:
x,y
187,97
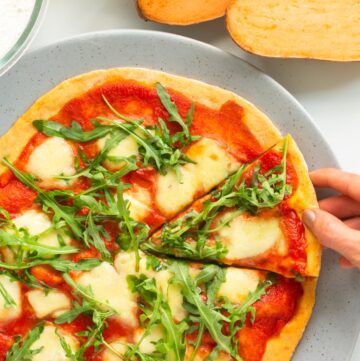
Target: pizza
x,y
146,216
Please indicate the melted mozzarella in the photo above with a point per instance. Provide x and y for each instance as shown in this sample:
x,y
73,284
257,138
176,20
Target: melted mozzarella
x,y
51,158
238,284
13,289
125,265
213,165
36,223
51,346
147,345
111,288
139,202
45,304
120,348
250,237
172,293
126,148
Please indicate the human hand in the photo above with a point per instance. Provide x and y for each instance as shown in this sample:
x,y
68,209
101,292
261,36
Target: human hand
x,y
337,223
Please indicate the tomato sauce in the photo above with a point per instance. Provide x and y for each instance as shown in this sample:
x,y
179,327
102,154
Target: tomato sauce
x,y
273,311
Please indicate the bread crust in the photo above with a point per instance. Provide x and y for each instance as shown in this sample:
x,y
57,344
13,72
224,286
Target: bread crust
x,y
302,199
282,346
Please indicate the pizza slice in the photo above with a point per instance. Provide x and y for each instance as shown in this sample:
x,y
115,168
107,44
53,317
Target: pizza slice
x,y
252,220
167,309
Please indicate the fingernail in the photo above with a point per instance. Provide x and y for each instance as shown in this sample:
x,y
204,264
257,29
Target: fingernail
x,y
309,217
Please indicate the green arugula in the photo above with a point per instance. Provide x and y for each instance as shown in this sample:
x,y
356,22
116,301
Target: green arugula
x,y
60,264
156,311
74,133
8,299
99,312
188,235
21,349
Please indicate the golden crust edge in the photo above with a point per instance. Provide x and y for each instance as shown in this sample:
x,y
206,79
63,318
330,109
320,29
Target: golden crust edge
x,y
51,103
304,198
282,346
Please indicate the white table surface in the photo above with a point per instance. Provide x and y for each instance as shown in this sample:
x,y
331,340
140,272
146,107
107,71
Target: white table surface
x,y
329,91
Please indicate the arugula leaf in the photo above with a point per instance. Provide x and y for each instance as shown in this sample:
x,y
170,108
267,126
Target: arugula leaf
x,y
62,265
47,199
23,240
237,314
99,311
156,311
9,300
174,113
74,133
211,319
21,349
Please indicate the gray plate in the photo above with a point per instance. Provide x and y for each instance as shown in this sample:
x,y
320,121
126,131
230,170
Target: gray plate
x,y
335,324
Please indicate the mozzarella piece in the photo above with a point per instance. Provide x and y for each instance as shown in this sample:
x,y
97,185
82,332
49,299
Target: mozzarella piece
x,y
147,345
120,348
51,346
51,158
126,148
125,265
112,289
139,202
45,304
172,293
249,236
213,165
238,284
13,289
36,223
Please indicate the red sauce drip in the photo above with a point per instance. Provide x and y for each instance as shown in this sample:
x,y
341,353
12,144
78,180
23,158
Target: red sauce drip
x,y
273,311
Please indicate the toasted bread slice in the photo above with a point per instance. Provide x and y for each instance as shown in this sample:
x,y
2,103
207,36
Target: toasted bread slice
x,y
321,29
182,12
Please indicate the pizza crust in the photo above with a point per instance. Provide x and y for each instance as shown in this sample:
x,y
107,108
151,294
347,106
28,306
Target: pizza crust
x,y
14,141
282,346
304,198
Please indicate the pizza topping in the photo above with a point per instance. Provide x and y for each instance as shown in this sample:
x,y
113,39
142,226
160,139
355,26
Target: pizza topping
x,y
246,237
23,349
51,159
212,165
50,343
157,146
10,298
48,303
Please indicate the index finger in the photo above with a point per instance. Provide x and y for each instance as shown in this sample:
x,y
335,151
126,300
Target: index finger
x,y
343,182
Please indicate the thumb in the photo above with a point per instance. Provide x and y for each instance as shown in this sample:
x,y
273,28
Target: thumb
x,y
333,233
